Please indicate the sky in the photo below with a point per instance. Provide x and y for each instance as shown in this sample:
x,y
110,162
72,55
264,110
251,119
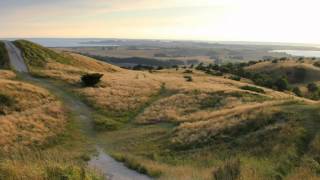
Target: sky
x,y
295,21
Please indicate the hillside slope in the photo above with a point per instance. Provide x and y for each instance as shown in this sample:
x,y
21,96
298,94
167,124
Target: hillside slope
x,y
38,137
173,124
292,68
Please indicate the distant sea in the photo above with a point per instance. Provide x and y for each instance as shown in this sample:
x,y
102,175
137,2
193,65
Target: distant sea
x,y
304,53
67,42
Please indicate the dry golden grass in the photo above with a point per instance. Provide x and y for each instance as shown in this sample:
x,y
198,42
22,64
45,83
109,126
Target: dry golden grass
x,y
125,90
6,74
209,124
40,165
33,117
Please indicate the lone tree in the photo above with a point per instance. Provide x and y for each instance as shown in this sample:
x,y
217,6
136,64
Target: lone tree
x,y
90,80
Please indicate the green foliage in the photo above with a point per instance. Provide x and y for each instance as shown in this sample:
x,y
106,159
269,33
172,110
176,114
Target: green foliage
x,y
299,74
253,88
282,84
188,71
235,78
229,171
4,58
212,102
313,87
188,78
297,91
91,80
317,64
38,56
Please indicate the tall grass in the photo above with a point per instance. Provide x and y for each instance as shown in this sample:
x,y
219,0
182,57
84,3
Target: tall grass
x,y
35,164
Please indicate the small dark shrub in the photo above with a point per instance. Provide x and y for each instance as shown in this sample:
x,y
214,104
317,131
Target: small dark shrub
x,y
91,79
317,64
252,88
188,71
229,171
312,87
188,78
235,78
282,84
5,102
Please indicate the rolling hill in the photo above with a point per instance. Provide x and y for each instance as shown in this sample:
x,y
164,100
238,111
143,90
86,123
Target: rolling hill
x,y
298,71
173,124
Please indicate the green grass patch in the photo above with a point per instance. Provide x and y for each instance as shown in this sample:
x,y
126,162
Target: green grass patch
x,y
253,88
37,56
103,123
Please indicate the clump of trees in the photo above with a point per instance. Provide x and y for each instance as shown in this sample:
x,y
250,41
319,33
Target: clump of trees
x,y
90,80
238,72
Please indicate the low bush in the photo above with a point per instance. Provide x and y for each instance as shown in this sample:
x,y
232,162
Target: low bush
x,y
253,88
5,102
188,78
188,71
282,84
317,64
235,78
91,79
313,87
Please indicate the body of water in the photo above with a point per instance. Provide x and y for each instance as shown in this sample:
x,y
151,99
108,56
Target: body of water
x,y
304,53
68,42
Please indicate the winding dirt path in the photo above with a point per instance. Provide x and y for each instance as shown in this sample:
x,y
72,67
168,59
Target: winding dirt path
x,y
112,169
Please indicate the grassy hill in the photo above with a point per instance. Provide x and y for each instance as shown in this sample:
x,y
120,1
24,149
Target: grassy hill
x,y
173,124
298,71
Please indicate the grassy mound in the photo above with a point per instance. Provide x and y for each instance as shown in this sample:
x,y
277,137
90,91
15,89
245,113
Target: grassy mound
x,y
298,72
37,56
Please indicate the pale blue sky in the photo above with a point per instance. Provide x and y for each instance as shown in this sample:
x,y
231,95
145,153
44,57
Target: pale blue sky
x,y
226,20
